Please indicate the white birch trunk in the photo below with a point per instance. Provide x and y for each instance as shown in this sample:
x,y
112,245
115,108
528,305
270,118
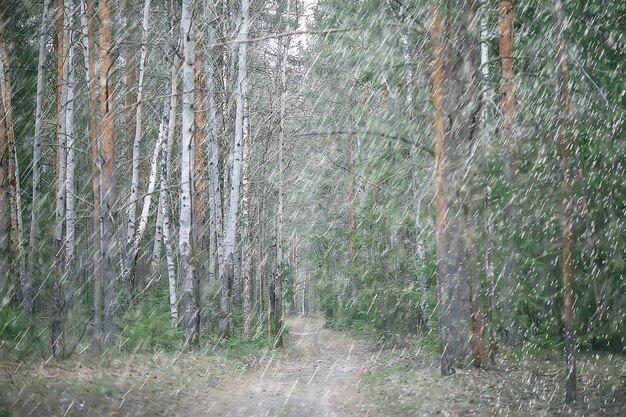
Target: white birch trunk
x,y
134,184
36,167
152,181
70,188
166,151
166,157
190,307
62,148
484,64
227,270
215,196
278,313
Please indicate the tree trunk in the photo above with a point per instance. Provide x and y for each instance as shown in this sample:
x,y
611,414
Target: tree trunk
x,y
15,189
248,239
166,151
58,290
199,203
5,210
88,13
70,188
278,286
227,269
215,195
510,164
456,107
185,238
565,130
27,283
133,200
152,182
109,243
484,130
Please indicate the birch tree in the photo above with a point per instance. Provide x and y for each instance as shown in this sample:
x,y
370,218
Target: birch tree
x,y
36,201
4,204
138,133
228,261
58,286
213,149
166,152
278,288
70,188
185,238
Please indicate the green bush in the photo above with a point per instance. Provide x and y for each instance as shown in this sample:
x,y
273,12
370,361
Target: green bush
x,y
149,327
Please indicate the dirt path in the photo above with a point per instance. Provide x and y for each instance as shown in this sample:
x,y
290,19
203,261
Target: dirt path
x,y
318,375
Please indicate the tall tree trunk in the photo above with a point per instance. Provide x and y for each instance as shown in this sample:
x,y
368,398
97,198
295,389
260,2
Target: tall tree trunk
x,y
166,151
247,241
109,243
215,194
484,129
352,220
88,27
130,58
133,200
185,238
199,174
15,189
565,130
70,188
58,291
510,164
27,283
152,182
456,112
228,262
5,209
278,286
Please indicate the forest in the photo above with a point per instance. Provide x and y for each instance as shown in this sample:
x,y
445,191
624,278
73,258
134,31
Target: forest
x,y
417,206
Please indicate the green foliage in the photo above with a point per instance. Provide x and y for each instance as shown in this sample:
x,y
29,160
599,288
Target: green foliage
x,y
13,332
148,327
13,325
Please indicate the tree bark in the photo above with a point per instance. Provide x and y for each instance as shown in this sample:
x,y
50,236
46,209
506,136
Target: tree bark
x,y
89,15
166,152
133,200
565,130
247,242
109,243
15,188
227,269
5,210
215,195
509,159
58,290
70,188
185,238
484,129
27,283
456,112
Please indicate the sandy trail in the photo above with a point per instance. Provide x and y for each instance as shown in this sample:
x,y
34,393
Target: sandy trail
x,y
320,375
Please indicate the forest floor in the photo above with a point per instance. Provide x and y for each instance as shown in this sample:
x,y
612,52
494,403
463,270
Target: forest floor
x,y
319,372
